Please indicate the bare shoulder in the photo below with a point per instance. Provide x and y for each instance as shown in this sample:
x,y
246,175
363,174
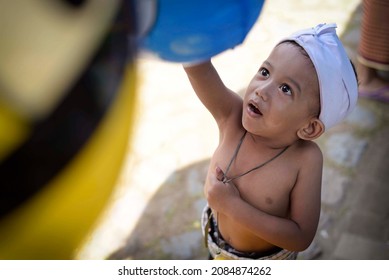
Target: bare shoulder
x,y
309,153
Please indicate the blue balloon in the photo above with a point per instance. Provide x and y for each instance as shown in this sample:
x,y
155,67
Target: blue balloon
x,y
196,30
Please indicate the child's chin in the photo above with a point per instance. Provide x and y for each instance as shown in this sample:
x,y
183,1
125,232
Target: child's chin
x,y
249,127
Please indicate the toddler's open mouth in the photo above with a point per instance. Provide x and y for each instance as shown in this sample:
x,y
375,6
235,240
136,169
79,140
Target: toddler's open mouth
x,y
254,108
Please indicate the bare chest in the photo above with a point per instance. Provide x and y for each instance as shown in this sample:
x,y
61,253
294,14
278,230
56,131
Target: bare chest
x,y
266,188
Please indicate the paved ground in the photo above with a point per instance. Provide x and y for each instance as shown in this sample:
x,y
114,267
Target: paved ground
x,y
155,211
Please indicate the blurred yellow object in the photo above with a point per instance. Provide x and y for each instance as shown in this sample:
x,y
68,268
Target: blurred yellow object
x,y
58,57
56,220
14,129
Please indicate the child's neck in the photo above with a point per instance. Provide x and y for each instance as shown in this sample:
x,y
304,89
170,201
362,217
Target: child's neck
x,y
264,143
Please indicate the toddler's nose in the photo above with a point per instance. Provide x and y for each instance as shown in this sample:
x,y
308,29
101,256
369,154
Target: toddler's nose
x,y
263,92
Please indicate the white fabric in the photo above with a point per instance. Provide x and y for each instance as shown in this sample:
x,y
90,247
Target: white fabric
x,y
337,81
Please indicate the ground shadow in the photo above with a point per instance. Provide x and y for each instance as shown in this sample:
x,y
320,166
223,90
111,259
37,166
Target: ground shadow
x,y
170,226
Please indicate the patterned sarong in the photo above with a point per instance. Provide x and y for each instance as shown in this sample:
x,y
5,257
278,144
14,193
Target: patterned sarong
x,y
231,254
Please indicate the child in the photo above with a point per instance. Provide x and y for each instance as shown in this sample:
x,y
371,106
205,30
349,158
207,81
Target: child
x,y
264,180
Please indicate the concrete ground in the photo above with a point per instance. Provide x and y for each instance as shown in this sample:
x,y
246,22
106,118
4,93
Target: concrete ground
x,y
154,213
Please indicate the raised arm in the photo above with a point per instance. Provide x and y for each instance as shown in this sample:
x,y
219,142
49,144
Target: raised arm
x,y
220,101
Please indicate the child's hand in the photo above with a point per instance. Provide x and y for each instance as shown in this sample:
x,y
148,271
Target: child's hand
x,y
219,195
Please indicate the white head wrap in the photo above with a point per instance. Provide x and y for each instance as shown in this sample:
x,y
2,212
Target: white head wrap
x,y
337,82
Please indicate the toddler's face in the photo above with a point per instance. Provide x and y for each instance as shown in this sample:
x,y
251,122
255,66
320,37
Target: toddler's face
x,y
282,95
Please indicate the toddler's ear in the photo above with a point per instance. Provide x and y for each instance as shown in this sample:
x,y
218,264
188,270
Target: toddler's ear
x,y
312,130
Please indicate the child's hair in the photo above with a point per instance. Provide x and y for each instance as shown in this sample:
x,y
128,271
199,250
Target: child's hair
x,y
303,52
355,71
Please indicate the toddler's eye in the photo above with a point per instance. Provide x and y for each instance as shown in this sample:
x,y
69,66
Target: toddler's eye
x,y
286,89
264,72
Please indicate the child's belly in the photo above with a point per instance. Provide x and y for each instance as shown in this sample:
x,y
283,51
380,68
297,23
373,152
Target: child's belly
x,y
240,238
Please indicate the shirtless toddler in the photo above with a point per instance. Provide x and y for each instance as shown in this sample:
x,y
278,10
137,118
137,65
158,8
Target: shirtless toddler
x,y
264,180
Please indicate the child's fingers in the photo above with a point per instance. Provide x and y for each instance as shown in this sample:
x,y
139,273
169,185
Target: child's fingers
x,y
219,174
